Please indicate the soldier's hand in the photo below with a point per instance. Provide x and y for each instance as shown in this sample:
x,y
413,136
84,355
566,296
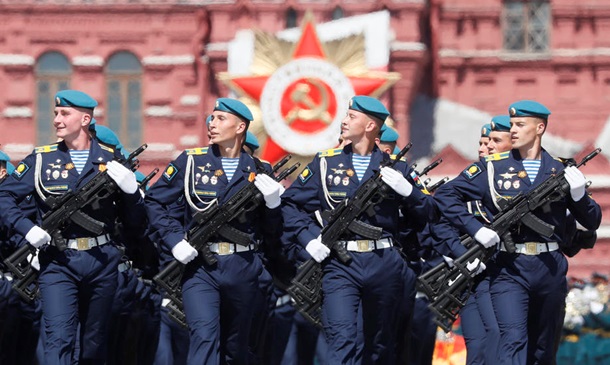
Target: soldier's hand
x,y
396,181
34,262
270,189
184,252
317,249
449,261
37,237
476,267
577,182
124,178
487,237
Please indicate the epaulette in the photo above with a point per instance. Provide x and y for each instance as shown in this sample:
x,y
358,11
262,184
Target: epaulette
x,y
45,149
265,161
106,148
497,156
197,151
331,152
393,157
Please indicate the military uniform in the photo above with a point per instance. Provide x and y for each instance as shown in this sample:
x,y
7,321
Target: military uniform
x,y
374,277
217,299
529,285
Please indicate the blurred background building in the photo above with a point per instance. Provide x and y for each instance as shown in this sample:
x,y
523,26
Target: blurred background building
x,y
443,67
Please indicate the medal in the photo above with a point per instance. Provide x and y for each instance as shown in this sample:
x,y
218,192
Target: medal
x,y
522,174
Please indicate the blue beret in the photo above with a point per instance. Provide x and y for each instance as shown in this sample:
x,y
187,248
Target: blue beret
x,y
107,136
396,150
92,124
251,141
500,123
4,156
369,106
74,98
9,168
485,129
528,108
235,107
139,176
388,134
208,120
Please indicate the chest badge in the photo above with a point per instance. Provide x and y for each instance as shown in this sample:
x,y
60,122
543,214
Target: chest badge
x,y
349,172
69,166
522,174
218,172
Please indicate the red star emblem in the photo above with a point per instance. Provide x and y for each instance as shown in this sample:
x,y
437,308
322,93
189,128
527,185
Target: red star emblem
x,y
306,105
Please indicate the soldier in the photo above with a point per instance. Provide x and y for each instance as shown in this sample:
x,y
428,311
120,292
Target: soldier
x,y
387,140
499,136
528,289
484,139
372,281
217,298
76,285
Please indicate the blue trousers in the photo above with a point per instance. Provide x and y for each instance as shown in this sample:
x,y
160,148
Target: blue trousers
x,y
173,342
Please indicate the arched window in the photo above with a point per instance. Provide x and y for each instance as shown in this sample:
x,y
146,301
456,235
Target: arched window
x,y
123,110
337,13
291,18
53,71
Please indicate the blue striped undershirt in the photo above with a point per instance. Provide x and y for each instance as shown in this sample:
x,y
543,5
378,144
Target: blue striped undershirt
x,y
79,158
229,165
531,167
361,163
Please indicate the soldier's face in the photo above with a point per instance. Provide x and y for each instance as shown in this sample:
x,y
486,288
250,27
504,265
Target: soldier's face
x,y
355,125
499,142
69,122
525,130
224,127
483,141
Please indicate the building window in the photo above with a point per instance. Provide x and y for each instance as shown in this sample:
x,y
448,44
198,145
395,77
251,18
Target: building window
x,y
53,71
526,26
291,18
124,98
337,13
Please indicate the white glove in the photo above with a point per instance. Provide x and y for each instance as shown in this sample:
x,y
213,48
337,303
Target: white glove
x,y
270,189
317,249
184,252
37,237
448,261
34,262
577,182
476,267
124,178
596,307
396,181
487,237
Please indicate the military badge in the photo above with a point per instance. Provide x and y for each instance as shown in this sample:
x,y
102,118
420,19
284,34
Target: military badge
x,y
349,172
55,174
522,174
214,180
472,171
102,167
218,173
345,181
69,166
21,169
305,175
516,184
170,172
64,174
337,180
251,177
507,185
205,179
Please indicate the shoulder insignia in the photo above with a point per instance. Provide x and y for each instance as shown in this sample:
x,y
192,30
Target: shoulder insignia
x,y
331,152
305,175
106,148
197,151
497,156
393,157
472,171
47,148
170,172
20,170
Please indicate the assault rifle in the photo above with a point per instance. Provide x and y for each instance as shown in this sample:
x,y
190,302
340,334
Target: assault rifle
x,y
64,210
449,288
437,185
214,222
306,288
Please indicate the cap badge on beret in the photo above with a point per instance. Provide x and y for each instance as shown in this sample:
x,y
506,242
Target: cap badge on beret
x,y
57,101
513,111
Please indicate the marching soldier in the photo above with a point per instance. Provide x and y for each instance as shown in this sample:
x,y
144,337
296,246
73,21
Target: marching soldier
x,y
217,298
528,289
76,285
372,281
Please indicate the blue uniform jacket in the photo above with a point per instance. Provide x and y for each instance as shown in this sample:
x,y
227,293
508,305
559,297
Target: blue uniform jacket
x,y
306,195
57,175
510,179
207,182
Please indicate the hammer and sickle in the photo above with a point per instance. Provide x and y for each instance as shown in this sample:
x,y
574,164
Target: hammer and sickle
x,y
316,111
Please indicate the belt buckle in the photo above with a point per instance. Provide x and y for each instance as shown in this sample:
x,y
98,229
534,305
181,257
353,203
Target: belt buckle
x,y
224,248
82,243
363,245
531,248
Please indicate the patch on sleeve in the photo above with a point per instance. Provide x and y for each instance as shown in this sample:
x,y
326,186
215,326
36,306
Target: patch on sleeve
x,y
305,175
472,171
170,172
20,170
